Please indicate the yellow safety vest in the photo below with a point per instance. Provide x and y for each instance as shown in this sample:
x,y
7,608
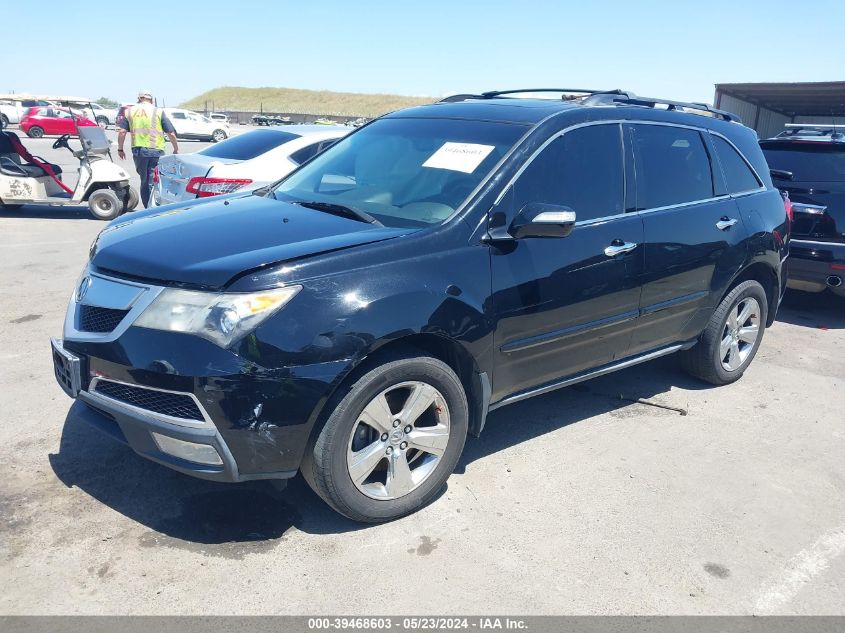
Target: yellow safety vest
x,y
145,126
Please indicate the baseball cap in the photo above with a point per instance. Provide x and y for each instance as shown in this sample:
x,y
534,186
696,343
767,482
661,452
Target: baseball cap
x,y
147,94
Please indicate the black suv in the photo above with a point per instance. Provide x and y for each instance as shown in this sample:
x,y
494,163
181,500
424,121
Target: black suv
x,y
358,319
808,161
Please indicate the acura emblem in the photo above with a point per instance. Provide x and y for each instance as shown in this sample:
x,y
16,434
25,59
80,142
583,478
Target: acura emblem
x,y
83,288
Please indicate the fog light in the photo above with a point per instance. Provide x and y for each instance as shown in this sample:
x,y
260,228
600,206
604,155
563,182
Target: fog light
x,y
197,453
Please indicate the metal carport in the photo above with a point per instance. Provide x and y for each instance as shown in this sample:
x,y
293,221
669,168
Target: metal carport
x,y
766,107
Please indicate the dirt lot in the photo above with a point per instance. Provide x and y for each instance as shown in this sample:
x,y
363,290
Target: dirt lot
x,y
574,502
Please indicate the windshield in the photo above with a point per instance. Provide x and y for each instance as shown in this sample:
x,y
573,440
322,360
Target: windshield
x,y
403,172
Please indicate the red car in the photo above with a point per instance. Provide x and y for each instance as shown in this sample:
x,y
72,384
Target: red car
x,y
51,120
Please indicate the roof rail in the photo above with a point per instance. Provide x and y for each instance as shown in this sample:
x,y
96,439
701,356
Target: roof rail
x,y
492,94
814,126
627,98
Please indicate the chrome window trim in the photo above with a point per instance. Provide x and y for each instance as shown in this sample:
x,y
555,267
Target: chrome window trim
x,y
622,122
147,295
800,242
205,423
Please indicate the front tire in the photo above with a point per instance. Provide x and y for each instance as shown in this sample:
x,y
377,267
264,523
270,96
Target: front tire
x,y
391,441
102,121
104,204
35,132
732,337
218,135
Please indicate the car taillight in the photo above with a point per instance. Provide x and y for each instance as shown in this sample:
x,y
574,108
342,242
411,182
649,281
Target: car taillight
x,y
206,187
155,175
787,204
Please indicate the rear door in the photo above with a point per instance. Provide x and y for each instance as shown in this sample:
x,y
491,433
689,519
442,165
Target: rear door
x,y
564,305
695,239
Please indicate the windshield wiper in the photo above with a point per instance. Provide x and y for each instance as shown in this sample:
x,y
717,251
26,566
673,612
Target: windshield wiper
x,y
339,209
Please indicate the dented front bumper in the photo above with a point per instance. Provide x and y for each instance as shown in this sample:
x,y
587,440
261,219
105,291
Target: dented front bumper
x,y
190,405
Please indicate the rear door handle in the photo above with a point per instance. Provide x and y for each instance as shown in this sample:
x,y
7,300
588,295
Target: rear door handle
x,y
617,247
725,223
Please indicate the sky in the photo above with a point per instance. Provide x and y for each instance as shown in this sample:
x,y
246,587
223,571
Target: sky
x,y
179,49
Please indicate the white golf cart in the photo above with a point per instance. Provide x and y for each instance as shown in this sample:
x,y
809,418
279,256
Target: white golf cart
x,y
27,179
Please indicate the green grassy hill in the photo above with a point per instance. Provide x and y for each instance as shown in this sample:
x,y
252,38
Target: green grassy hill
x,y
302,101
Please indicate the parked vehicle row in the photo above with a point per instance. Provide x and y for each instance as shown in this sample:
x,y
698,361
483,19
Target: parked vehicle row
x,y
356,320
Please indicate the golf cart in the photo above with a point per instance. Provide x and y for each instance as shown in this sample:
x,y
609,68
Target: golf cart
x,y
27,179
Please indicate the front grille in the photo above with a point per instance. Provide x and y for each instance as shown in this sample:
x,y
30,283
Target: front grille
x,y
175,405
97,319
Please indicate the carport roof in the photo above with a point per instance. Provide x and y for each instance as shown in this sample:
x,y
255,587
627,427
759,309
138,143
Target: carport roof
x,y
824,98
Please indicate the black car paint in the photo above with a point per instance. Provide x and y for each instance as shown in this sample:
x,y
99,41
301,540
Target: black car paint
x,y
564,308
817,251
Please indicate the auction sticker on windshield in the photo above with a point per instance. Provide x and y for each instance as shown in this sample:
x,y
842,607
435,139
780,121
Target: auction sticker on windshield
x,y
463,157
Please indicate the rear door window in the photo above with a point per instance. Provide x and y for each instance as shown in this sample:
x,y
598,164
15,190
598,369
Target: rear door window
x,y
249,145
808,161
583,170
738,175
672,166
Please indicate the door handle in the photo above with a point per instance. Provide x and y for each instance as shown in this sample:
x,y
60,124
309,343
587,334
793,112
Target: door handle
x,y
725,223
617,247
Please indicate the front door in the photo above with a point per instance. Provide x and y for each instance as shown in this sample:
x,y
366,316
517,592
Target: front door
x,y
563,305
694,233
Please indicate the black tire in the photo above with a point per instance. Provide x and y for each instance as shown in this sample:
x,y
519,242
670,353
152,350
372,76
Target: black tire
x,y
218,135
132,199
4,121
325,464
704,361
102,121
104,204
35,132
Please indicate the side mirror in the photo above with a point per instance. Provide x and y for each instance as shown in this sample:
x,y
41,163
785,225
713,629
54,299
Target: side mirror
x,y
781,174
537,219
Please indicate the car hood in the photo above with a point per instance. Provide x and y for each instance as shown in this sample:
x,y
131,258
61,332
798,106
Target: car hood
x,y
209,243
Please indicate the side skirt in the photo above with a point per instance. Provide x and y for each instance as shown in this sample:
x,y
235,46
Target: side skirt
x,y
587,375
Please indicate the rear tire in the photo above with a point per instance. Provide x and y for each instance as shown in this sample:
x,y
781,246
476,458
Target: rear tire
x,y
218,135
104,204
35,132
732,337
102,121
360,435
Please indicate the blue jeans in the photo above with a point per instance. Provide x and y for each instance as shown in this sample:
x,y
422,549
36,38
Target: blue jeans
x,y
146,160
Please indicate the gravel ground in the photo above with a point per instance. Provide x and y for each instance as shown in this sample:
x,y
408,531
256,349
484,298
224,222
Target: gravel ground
x,y
573,502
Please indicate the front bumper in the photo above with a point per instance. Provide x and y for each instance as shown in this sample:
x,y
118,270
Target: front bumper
x,y
815,266
248,409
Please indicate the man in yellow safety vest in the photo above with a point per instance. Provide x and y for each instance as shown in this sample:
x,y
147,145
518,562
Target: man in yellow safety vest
x,y
148,126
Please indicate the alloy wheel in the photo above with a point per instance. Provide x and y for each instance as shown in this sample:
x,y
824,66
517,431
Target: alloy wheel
x,y
398,440
740,333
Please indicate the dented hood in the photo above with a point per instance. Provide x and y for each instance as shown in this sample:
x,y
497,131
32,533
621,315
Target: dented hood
x,y
210,243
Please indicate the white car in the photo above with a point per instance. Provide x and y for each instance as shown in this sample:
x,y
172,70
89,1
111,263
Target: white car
x,y
244,162
193,126
218,116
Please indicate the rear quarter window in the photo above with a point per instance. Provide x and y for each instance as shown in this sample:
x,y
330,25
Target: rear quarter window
x,y
249,145
808,160
738,175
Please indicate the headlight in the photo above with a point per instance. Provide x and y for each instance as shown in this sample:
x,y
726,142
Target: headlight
x,y
222,318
